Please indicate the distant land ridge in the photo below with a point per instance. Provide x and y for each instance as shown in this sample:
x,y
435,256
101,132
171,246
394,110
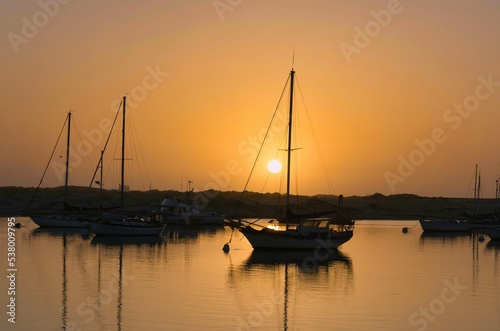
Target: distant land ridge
x,y
15,200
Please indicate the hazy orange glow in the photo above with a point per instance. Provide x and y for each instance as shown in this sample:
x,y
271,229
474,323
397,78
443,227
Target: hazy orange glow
x,y
203,81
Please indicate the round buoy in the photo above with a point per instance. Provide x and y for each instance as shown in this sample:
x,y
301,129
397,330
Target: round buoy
x,y
405,230
481,238
225,248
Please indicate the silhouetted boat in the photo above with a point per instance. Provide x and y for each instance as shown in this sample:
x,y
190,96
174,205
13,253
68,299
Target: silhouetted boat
x,y
300,232
120,225
62,219
467,222
445,225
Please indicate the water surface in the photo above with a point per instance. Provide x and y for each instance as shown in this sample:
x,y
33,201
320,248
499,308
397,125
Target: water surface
x,y
382,279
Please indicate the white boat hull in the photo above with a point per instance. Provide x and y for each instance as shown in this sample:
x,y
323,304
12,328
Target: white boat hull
x,y
268,239
125,228
61,221
445,225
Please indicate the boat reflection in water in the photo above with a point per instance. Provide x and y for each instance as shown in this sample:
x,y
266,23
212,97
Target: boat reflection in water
x,y
185,233
444,237
308,261
126,240
288,283
65,235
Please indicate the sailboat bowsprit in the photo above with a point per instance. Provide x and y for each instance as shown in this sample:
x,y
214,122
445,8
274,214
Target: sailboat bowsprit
x,y
299,232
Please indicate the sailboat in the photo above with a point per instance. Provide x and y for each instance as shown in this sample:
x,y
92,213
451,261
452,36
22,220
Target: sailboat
x,y
452,224
494,234
120,225
443,224
467,222
63,220
300,232
483,220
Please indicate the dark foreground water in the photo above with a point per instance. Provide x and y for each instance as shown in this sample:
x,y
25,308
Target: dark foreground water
x,y
382,279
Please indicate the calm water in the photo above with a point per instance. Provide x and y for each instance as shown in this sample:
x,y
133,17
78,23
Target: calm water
x,y
382,279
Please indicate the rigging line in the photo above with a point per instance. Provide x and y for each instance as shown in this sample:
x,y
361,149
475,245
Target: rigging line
x,y
470,184
296,175
87,153
262,145
296,139
316,141
131,151
135,140
100,159
115,174
48,163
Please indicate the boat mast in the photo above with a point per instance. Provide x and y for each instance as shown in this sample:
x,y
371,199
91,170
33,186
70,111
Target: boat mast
x,y
67,161
289,150
123,154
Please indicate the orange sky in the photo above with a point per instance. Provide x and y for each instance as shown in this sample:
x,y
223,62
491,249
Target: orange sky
x,y
404,95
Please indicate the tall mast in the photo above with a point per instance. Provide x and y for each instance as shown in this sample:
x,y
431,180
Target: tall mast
x,y
67,161
289,150
123,154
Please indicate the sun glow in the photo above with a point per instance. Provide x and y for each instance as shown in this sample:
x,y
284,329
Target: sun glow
x,y
274,166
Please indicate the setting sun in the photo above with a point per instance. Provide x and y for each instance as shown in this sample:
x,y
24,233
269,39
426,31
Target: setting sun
x,y
274,166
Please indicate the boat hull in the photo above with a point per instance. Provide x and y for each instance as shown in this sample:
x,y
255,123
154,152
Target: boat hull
x,y
444,225
125,228
61,221
494,234
268,239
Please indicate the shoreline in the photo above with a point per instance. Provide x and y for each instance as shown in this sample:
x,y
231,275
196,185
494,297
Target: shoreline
x,y
15,200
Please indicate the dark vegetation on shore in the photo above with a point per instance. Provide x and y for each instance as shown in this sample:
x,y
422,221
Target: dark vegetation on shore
x,y
15,200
